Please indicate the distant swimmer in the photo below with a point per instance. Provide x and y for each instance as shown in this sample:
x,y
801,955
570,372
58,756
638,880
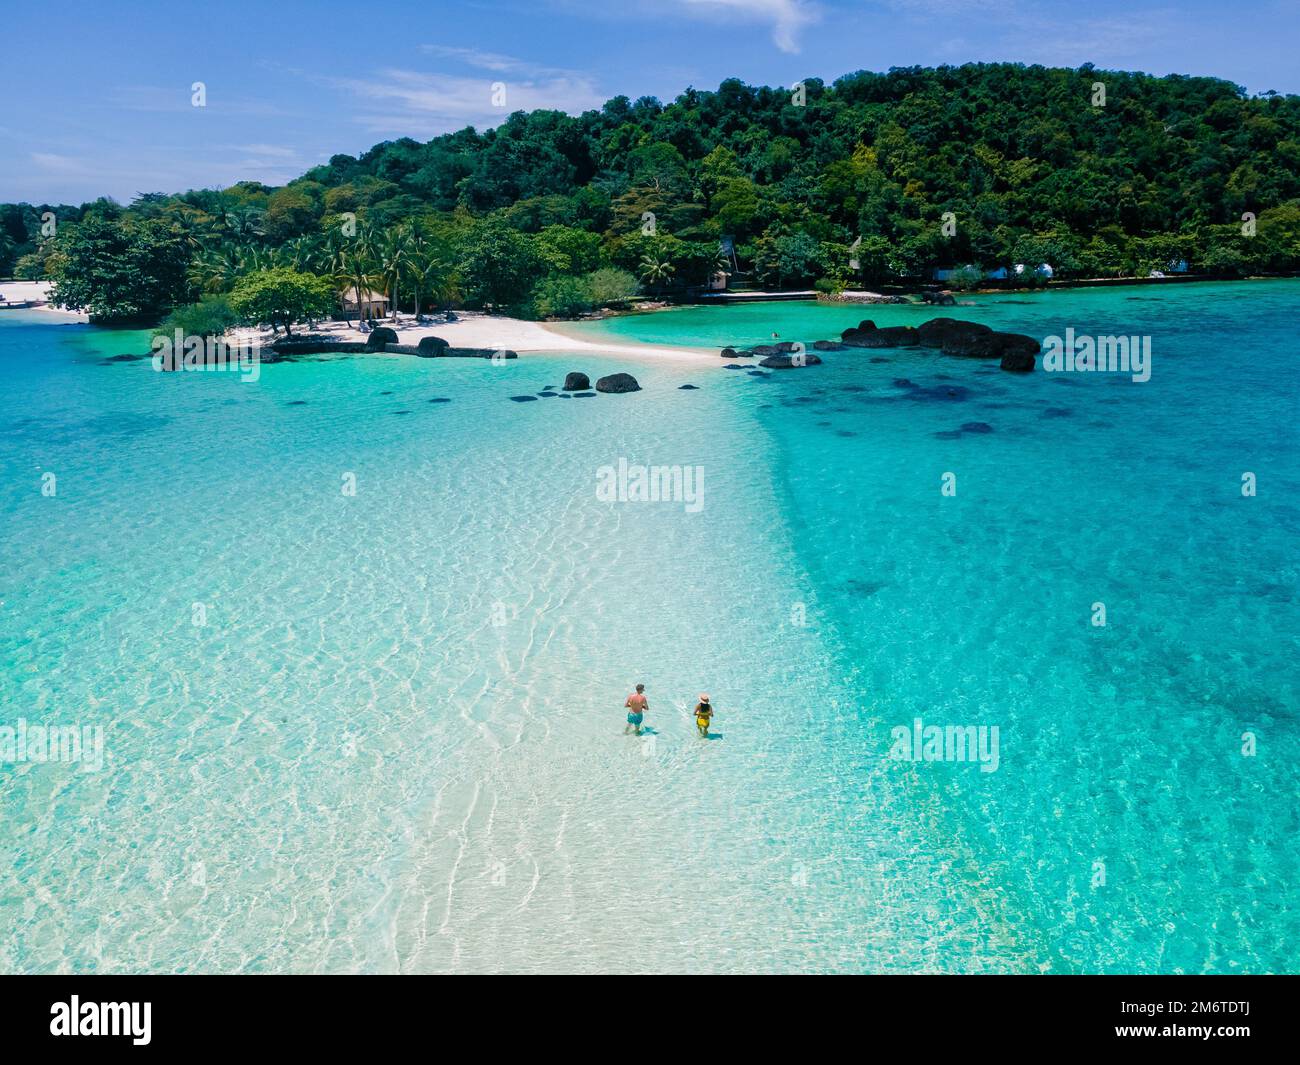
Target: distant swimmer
x,y
703,715
637,704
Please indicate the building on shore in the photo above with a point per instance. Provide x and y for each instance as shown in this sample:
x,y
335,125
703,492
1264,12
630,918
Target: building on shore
x,y
371,305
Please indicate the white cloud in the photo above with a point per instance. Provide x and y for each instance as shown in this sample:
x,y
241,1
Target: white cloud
x,y
417,103
788,18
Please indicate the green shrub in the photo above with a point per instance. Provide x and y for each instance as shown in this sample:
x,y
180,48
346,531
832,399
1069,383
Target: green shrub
x,y
611,287
30,267
561,297
210,317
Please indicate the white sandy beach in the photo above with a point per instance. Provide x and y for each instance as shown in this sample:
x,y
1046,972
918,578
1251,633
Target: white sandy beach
x,y
472,329
36,293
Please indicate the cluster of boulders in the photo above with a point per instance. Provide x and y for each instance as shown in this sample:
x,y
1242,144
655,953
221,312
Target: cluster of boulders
x,y
952,336
382,339
576,381
786,355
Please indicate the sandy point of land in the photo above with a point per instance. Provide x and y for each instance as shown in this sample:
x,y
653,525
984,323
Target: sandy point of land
x,y
473,329
37,293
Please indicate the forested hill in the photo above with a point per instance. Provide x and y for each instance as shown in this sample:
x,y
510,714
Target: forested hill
x,y
1097,172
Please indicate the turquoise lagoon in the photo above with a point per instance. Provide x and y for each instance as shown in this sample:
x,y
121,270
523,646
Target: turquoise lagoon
x,y
395,742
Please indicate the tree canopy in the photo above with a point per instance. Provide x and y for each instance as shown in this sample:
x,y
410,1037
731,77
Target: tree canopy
x,y
877,177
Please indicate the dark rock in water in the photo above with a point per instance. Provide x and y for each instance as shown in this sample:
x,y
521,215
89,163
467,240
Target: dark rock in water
x,y
903,382
297,403
938,393
431,347
584,395
379,336
827,345
385,393
685,388
949,434
744,353
617,383
576,381
756,373
440,399
565,395
934,332
1018,361
939,299
845,432
879,358
976,427
524,399
401,412
734,366
728,353
546,395
127,357
990,345
891,336
865,325
764,350
1055,412
791,360
326,346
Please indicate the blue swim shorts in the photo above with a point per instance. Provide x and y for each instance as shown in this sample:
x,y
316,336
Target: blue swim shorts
x,y
634,719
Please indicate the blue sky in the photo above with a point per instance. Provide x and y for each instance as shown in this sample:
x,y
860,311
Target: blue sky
x,y
95,99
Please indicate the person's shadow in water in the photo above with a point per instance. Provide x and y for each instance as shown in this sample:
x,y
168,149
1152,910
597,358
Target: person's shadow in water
x,y
712,736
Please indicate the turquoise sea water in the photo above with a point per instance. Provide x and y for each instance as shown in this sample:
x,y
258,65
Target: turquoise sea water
x,y
395,743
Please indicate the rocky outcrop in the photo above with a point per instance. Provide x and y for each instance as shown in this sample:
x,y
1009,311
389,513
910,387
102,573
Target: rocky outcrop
x,y
787,360
431,347
936,331
728,353
576,381
379,337
990,345
618,383
891,336
1018,361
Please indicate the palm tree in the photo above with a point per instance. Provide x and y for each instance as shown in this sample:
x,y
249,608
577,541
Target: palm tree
x,y
656,269
393,251
302,253
361,261
216,270
427,274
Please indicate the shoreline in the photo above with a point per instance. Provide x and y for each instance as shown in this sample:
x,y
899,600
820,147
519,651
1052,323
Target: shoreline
x,y
475,329
36,295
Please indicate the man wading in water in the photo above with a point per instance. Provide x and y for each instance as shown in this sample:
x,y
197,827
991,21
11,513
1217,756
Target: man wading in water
x,y
637,704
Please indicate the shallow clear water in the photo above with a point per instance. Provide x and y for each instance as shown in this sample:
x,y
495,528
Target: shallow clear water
x,y
396,742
